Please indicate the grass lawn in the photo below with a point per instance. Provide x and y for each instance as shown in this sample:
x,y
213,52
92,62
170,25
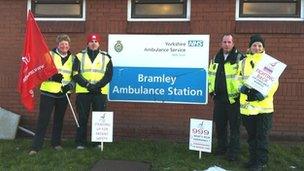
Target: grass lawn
x,y
162,155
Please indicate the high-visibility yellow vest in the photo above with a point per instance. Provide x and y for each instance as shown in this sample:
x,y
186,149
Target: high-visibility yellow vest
x,y
231,79
65,70
254,107
92,71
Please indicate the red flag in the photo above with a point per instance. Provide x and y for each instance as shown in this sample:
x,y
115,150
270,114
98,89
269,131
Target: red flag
x,y
36,63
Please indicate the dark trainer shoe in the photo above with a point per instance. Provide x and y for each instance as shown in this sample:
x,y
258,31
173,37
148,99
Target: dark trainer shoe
x,y
220,152
257,167
249,164
232,157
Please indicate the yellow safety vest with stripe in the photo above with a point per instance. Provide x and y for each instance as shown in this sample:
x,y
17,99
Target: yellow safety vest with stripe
x,y
65,70
92,71
232,84
254,107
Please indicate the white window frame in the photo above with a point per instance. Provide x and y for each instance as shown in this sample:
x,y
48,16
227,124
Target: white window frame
x,y
159,19
29,5
238,18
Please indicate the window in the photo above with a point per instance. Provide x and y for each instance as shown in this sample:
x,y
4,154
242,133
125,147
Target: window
x,y
57,9
271,9
159,9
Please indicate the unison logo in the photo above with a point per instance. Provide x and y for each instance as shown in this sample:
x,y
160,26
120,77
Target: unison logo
x,y
195,43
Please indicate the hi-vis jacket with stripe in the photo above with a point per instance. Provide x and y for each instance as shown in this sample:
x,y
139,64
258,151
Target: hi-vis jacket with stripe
x,y
65,70
231,71
254,107
92,71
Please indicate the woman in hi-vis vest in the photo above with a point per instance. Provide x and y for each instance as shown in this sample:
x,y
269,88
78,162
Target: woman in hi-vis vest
x,y
256,109
53,95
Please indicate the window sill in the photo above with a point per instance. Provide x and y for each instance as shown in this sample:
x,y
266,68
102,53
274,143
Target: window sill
x,y
290,27
158,27
62,26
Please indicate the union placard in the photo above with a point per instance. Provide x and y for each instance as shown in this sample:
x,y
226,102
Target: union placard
x,y
102,127
265,74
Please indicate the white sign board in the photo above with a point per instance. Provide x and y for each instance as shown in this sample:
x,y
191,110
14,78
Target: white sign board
x,y
102,127
267,72
200,138
159,68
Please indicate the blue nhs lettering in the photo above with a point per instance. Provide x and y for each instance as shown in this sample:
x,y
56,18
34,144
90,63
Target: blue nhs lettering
x,y
195,43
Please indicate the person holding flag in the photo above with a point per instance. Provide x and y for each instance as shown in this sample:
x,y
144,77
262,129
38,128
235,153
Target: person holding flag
x,y
92,70
36,63
53,95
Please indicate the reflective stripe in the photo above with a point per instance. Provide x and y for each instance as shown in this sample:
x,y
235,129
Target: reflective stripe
x,y
64,71
243,65
94,70
245,77
230,76
65,82
82,62
211,73
248,109
233,94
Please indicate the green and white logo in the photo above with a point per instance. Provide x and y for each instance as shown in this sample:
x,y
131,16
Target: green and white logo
x,y
118,46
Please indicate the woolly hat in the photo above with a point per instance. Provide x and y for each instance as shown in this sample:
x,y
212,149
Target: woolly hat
x,y
256,38
92,37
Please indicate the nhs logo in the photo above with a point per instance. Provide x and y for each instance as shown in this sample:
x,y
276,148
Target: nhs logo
x,y
195,43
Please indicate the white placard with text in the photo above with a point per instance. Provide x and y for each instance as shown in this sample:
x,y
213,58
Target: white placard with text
x,y
200,138
265,74
102,127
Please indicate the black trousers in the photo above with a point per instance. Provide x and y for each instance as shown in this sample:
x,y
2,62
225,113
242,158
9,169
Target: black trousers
x,y
46,106
84,102
258,127
224,114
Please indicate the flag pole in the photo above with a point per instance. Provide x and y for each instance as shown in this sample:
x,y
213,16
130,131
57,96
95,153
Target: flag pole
x,y
101,146
72,109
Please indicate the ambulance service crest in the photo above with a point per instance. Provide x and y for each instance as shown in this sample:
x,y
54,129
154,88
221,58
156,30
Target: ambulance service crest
x,y
118,46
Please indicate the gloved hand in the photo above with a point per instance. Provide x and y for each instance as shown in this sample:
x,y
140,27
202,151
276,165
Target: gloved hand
x,y
251,96
255,95
259,96
93,88
57,77
66,88
90,87
245,90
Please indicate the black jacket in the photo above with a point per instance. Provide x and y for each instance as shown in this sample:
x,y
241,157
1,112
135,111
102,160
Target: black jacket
x,y
220,92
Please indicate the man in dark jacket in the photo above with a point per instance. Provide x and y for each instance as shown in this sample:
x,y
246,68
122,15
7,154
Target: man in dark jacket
x,y
92,71
223,87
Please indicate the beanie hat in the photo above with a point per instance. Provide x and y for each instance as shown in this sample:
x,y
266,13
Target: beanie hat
x,y
92,37
256,38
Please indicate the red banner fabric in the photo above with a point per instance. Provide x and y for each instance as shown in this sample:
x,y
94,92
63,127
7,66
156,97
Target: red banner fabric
x,y
36,63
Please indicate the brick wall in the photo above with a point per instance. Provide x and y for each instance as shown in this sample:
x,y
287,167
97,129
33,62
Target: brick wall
x,y
284,40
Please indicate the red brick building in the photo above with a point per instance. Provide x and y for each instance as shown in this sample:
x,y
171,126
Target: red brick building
x,y
284,37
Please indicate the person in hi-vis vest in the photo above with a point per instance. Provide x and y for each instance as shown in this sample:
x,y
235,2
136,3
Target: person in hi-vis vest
x,y
53,95
92,70
223,88
256,109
